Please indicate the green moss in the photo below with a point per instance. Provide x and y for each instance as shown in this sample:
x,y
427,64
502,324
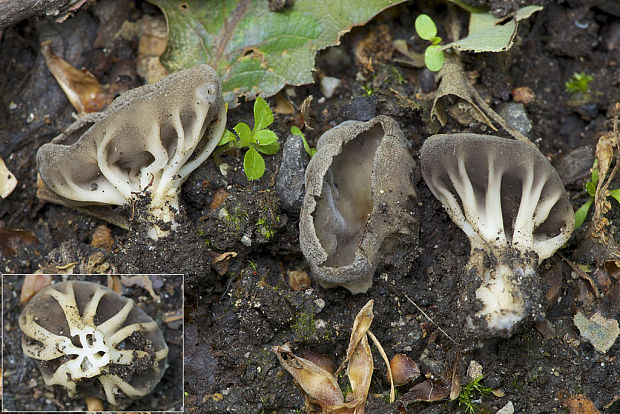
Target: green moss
x,y
472,391
304,327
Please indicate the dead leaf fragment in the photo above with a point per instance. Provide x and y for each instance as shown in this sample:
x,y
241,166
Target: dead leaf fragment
x,y
523,94
10,240
298,280
361,324
94,404
102,238
220,262
427,391
283,105
219,197
359,372
81,87
8,182
32,285
601,332
144,281
577,403
319,385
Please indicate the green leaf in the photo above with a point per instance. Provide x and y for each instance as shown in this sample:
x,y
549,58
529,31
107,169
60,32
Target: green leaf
x,y
591,188
227,137
489,34
581,213
615,194
433,57
594,178
270,149
265,137
256,51
425,27
245,134
253,164
296,131
263,117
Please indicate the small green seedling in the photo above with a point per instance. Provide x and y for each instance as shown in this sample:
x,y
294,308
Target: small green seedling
x,y
472,390
582,212
259,139
579,83
426,29
296,131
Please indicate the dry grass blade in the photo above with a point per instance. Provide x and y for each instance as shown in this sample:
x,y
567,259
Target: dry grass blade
x,y
387,363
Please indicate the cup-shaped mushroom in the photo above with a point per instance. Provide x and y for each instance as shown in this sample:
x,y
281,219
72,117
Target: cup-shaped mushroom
x,y
511,204
360,202
93,342
147,141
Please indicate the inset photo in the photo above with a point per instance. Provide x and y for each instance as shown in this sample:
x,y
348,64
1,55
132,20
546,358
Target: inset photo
x,y
92,343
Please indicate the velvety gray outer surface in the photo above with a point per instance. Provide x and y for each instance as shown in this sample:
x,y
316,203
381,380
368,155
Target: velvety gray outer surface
x,y
360,202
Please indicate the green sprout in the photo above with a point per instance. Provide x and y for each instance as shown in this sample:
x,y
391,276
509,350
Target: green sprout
x,y
582,212
472,390
296,131
426,29
259,139
579,83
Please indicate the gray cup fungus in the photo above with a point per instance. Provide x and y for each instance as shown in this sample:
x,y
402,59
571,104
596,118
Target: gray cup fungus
x,y
359,204
148,140
511,204
93,342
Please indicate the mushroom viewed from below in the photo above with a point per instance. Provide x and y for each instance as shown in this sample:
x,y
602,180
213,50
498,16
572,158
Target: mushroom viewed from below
x,y
511,204
147,141
93,342
360,204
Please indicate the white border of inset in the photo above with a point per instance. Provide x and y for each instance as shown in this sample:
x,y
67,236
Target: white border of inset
x,y
68,277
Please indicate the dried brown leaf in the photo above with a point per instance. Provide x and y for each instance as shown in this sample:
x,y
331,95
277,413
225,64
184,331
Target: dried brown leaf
x,y
298,280
81,87
359,372
320,387
143,281
8,182
102,238
283,105
361,324
427,391
33,284
577,403
10,240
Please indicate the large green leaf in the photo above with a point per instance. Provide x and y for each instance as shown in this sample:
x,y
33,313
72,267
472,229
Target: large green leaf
x,y
256,51
489,34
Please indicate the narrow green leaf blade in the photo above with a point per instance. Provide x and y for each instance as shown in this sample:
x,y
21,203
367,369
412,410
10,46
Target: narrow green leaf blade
x,y
253,164
581,213
263,117
245,134
296,131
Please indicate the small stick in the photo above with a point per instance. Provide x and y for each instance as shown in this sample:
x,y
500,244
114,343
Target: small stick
x,y
428,317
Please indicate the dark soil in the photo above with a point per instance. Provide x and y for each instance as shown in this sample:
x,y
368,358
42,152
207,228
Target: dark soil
x,y
235,315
